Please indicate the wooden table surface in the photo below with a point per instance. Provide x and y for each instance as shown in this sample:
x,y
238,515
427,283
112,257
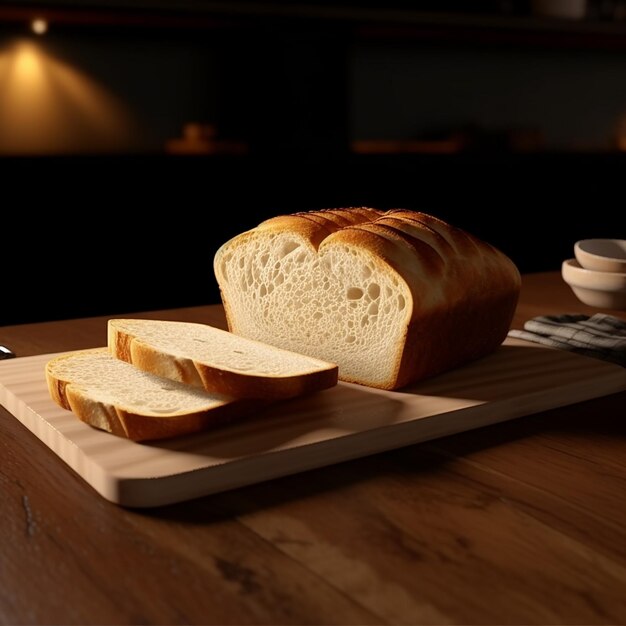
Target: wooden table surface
x,y
522,522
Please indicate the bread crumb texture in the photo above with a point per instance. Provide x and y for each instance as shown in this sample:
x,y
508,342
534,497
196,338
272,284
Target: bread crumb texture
x,y
338,306
220,349
110,381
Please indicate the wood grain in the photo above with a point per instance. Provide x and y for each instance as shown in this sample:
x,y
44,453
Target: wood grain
x,y
517,523
338,424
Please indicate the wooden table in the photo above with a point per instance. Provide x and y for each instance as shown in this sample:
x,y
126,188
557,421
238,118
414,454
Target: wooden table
x,y
522,522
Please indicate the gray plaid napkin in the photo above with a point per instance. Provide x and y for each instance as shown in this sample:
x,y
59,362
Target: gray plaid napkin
x,y
601,336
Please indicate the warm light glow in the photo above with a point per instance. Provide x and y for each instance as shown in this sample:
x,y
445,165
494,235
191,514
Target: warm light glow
x,y
47,106
39,26
27,66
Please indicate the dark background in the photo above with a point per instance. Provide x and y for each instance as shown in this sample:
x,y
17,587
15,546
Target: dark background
x,y
517,119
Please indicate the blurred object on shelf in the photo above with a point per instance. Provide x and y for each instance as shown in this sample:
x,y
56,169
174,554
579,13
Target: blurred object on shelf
x,y
199,132
506,139
619,12
453,145
614,10
201,139
526,140
565,9
468,139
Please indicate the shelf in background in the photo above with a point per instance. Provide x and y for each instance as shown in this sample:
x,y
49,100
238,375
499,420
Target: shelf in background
x,y
365,22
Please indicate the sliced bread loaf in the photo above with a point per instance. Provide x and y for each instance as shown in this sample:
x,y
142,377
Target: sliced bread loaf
x,y
391,297
216,360
114,396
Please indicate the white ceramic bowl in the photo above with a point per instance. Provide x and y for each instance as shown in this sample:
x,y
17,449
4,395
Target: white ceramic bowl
x,y
603,255
605,290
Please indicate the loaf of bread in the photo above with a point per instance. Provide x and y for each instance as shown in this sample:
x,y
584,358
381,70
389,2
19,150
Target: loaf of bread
x,y
391,297
216,360
114,396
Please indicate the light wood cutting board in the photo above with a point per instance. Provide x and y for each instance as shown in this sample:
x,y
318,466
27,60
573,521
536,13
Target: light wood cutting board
x,y
336,425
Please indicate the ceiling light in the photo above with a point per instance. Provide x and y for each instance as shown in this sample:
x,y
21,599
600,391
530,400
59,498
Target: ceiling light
x,y
39,26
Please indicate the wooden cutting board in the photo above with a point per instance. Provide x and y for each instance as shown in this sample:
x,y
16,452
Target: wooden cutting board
x,y
336,425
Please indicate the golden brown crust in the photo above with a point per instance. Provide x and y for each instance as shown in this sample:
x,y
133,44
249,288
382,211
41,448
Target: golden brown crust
x,y
347,217
56,388
123,345
138,427
266,388
311,231
149,359
97,414
315,226
481,287
420,232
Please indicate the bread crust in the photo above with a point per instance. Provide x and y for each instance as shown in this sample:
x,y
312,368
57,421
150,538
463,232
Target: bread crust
x,y
140,427
125,346
463,291
122,422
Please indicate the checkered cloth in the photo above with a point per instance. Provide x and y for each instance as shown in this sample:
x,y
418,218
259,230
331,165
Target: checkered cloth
x,y
601,336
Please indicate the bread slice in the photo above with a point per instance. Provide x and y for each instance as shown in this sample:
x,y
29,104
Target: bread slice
x,y
390,296
216,360
114,396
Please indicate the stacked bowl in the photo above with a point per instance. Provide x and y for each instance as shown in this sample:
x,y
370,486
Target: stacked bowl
x,y
598,273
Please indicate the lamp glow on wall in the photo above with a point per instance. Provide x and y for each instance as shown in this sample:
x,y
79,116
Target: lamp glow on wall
x,y
50,107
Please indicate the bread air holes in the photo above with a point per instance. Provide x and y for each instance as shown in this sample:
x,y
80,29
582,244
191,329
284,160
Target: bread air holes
x,y
373,291
401,302
265,290
354,293
287,248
